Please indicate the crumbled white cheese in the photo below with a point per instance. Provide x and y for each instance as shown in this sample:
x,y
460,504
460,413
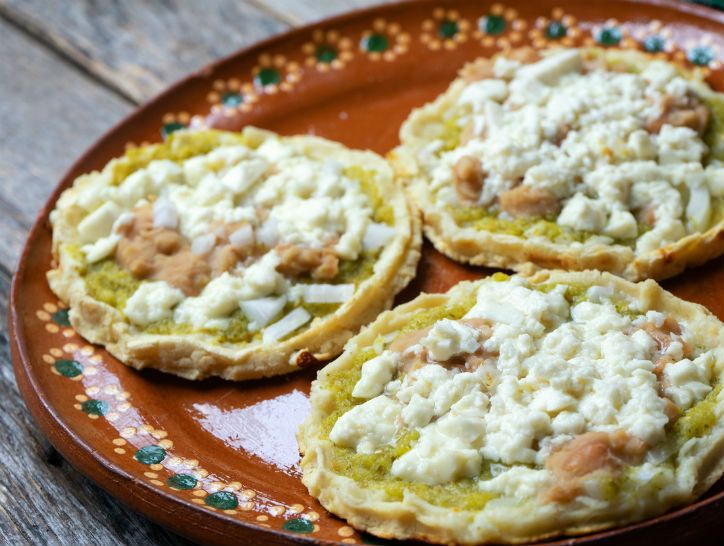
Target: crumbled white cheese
x,y
583,214
152,302
213,307
621,225
550,69
518,482
262,277
688,381
242,176
376,373
680,145
203,244
449,338
165,214
582,135
367,427
101,249
698,210
98,223
440,456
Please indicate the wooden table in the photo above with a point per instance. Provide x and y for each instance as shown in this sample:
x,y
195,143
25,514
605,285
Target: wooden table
x,y
69,70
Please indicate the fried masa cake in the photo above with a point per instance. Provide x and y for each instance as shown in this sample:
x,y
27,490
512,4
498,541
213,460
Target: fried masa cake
x,y
512,409
573,159
239,255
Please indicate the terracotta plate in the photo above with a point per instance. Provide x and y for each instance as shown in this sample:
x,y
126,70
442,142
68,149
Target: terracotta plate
x,y
218,461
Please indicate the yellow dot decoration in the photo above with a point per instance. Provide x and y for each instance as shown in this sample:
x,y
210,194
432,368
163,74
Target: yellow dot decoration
x,y
445,30
311,516
277,511
345,531
327,50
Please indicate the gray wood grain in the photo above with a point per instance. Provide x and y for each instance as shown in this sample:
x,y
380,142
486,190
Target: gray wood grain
x,y
297,12
138,47
53,114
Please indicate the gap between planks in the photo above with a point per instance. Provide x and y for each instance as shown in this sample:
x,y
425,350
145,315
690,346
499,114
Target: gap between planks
x,y
61,50
285,17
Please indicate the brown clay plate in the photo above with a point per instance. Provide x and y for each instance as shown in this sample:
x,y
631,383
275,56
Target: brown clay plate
x,y
218,461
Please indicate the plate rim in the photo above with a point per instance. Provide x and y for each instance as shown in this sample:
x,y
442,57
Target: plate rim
x,y
115,480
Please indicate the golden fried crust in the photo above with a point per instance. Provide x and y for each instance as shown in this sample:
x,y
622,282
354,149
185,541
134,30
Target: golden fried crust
x,y
519,254
699,464
196,356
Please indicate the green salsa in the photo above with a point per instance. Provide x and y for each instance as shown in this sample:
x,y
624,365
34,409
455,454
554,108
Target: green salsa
x,y
383,211
107,282
237,331
356,271
451,134
482,219
178,147
577,293
714,136
698,420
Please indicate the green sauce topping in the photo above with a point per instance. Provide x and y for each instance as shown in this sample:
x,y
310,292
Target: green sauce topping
x,y
714,137
356,271
383,211
178,147
237,331
482,219
577,293
108,283
451,134
167,327
698,420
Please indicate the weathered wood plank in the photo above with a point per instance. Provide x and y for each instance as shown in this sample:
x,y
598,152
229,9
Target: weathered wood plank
x,y
140,47
51,113
13,236
298,12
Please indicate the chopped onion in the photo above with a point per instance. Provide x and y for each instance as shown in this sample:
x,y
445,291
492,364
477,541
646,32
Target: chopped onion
x,y
699,208
203,244
332,167
268,234
125,219
327,293
376,236
261,311
165,214
286,325
243,237
101,249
